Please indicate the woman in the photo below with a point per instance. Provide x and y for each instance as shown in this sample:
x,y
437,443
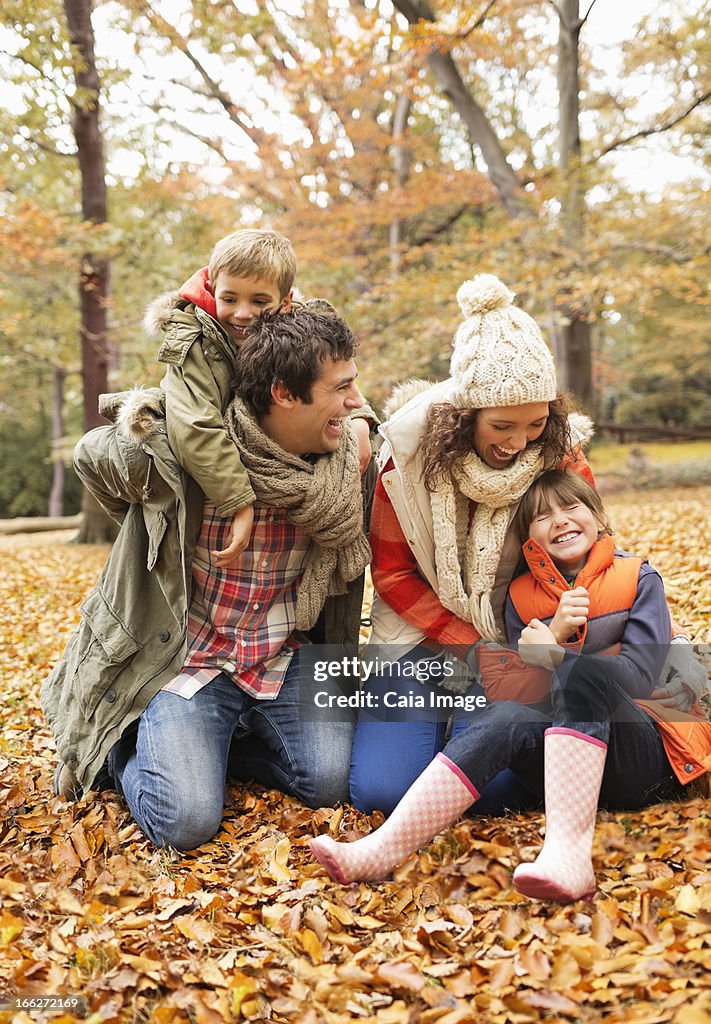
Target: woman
x,y
456,461
592,628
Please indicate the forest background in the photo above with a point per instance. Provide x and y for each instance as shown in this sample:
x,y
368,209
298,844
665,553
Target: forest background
x,y
402,146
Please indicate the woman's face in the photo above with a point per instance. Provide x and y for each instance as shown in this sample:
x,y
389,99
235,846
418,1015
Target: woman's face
x,y
500,434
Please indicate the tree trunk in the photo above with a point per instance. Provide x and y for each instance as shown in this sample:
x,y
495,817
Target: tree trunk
x,y
56,494
573,330
94,279
571,338
401,165
502,175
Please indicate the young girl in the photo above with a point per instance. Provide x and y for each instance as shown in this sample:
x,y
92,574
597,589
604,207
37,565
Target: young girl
x,y
592,628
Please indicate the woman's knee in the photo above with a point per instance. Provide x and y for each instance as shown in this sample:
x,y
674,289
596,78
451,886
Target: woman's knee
x,y
370,793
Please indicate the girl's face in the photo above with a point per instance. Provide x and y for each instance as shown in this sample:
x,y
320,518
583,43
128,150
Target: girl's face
x,y
566,532
500,434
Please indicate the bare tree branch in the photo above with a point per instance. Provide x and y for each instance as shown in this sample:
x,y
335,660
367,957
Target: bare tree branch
x,y
46,148
666,251
24,60
234,113
479,21
587,14
440,228
655,129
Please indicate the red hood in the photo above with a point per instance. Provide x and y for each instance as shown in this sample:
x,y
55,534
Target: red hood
x,y
195,290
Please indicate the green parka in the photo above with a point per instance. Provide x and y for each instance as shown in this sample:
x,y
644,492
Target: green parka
x,y
132,637
198,382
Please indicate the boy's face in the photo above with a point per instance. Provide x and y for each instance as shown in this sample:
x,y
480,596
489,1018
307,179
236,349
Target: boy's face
x,y
240,300
566,533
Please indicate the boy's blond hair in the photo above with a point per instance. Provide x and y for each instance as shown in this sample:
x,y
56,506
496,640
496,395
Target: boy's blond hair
x,y
252,252
568,488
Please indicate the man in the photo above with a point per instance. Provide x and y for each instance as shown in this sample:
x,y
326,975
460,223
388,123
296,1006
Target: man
x,y
180,672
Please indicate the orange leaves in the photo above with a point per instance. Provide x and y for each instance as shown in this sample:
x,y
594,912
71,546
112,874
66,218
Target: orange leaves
x,y
671,529
250,928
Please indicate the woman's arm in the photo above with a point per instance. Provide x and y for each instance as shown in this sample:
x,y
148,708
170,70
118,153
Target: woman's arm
x,y
398,582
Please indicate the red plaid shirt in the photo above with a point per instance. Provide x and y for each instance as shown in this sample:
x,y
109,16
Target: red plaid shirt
x,y
242,618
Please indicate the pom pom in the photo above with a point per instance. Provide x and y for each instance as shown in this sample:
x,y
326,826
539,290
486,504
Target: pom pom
x,y
483,294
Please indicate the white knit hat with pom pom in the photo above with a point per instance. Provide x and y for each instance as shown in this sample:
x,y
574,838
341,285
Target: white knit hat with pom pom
x,y
499,357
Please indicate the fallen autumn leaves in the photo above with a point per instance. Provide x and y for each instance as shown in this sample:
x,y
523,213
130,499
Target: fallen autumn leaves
x,y
250,928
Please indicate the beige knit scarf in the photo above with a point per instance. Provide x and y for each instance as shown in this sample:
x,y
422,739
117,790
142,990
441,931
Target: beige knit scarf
x,y
467,556
323,498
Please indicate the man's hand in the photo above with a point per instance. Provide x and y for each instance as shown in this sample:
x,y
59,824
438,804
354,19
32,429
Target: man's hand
x,y
361,429
239,538
538,646
573,611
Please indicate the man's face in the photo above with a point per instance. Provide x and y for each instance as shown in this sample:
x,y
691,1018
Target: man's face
x,y
240,300
317,427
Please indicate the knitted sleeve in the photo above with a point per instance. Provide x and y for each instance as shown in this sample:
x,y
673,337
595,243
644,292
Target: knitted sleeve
x,y
397,580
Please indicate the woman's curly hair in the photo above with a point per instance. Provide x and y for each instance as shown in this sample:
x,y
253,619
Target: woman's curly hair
x,y
449,436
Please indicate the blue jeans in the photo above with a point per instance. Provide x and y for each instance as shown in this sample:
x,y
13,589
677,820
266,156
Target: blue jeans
x,y
172,770
585,698
392,747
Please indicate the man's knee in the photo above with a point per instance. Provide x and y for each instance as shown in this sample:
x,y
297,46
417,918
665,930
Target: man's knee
x,y
324,781
326,791
187,833
182,824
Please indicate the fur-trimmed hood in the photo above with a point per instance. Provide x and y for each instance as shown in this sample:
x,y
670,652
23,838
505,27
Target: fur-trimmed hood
x,y
402,393
159,311
195,291
137,413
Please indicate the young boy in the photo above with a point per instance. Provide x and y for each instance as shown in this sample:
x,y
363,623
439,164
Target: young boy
x,y
595,734
250,274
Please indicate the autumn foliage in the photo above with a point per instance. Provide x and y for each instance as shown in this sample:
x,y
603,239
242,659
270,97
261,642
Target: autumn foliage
x,y
250,928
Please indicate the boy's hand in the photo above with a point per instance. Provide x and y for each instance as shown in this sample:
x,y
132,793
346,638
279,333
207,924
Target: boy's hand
x,y
573,611
362,431
538,646
239,538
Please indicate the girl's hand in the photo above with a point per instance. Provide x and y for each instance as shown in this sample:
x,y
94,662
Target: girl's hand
x,y
538,646
573,611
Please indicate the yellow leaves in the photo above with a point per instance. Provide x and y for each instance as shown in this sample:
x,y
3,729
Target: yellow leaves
x,y
670,528
401,975
250,927
10,928
311,945
278,869
687,901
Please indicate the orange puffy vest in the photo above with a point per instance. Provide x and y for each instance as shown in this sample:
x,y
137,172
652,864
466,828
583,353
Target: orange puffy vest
x,y
611,581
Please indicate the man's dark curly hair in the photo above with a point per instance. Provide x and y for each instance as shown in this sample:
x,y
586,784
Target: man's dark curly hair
x,y
291,348
449,436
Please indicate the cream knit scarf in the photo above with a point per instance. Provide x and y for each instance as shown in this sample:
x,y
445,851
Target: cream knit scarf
x,y
467,557
323,498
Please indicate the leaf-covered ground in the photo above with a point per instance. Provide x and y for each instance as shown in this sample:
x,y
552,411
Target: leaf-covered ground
x,y
250,928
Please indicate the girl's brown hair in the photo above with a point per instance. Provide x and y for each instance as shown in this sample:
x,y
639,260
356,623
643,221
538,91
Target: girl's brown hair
x,y
449,436
568,488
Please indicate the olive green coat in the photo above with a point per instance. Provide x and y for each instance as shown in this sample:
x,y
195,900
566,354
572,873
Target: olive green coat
x,y
132,636
198,387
